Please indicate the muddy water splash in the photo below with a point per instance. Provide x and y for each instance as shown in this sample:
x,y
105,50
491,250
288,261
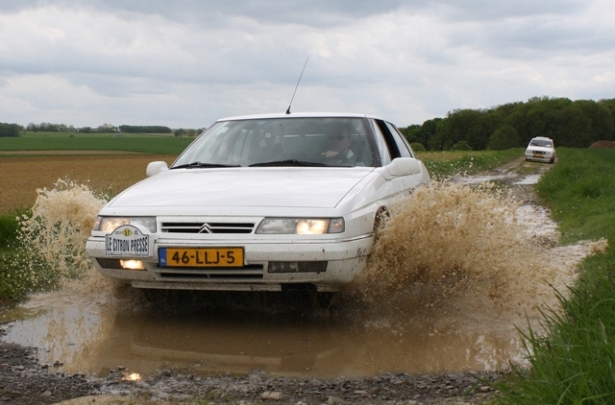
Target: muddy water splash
x,y
460,257
455,269
444,231
61,221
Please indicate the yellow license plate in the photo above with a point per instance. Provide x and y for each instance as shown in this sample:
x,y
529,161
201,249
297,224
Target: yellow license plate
x,y
201,257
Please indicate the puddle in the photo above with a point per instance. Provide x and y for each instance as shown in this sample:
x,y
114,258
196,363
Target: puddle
x,y
456,270
94,340
483,178
527,180
508,177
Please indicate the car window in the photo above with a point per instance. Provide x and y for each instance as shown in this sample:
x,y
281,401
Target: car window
x,y
381,144
542,143
402,144
395,141
330,141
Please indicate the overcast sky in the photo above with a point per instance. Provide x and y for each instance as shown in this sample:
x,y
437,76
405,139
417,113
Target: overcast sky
x,y
186,63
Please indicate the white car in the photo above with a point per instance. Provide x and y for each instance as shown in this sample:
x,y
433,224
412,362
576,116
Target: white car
x,y
268,202
541,149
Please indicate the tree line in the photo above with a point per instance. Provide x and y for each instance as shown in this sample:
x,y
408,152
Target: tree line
x,y
575,124
15,129
145,129
9,129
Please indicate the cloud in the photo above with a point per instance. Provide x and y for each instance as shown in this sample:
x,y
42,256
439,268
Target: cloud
x,y
188,62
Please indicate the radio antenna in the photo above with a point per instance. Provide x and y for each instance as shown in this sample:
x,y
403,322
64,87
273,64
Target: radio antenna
x,y
294,92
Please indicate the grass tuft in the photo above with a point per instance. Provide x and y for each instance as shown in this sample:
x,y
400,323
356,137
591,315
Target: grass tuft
x,y
8,230
21,270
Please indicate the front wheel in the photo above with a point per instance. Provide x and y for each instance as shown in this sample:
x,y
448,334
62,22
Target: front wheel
x,y
381,217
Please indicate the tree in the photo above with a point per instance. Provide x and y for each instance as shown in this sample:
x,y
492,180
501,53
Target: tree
x,y
107,128
577,128
427,131
480,131
505,137
9,130
145,129
457,126
411,132
602,127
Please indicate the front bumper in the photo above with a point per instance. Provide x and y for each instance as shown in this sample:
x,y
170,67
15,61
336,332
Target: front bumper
x,y
539,156
344,259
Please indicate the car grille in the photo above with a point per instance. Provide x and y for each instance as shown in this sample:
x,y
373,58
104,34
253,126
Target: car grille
x,y
206,227
249,272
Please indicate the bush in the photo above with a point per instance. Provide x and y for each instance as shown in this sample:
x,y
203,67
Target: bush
x,y
462,145
418,147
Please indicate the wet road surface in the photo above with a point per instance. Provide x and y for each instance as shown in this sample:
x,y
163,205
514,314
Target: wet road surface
x,y
449,323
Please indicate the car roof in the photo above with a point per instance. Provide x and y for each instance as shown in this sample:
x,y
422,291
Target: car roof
x,y
298,115
542,138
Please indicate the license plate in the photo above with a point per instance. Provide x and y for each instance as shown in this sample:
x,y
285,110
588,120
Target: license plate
x,y
538,154
200,257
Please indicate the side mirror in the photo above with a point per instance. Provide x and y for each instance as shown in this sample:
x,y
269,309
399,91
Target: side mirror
x,y
156,167
403,166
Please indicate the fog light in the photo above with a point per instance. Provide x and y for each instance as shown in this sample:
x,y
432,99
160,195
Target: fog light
x,y
132,377
132,265
297,267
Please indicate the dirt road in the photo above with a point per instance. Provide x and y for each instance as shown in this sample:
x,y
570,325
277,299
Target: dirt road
x,y
23,380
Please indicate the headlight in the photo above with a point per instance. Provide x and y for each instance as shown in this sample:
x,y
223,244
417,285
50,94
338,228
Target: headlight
x,y
108,224
301,226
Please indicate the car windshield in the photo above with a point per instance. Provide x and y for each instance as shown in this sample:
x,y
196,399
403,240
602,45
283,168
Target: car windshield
x,y
541,143
313,141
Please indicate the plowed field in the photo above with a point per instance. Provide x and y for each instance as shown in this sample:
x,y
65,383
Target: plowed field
x,y
22,176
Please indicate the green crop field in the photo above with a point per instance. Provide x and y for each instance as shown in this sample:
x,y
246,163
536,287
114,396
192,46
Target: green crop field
x,y
68,141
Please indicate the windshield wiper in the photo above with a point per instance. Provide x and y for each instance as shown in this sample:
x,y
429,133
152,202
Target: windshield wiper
x,y
200,165
289,162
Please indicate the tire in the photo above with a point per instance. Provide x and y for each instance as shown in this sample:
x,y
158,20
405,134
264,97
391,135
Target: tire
x,y
380,219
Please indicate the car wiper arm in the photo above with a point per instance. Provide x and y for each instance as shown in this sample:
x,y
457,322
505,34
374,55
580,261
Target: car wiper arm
x,y
289,162
201,165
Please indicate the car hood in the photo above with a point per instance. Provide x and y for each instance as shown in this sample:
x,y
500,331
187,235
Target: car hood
x,y
539,149
241,187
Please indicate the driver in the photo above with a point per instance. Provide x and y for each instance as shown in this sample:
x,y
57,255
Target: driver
x,y
338,149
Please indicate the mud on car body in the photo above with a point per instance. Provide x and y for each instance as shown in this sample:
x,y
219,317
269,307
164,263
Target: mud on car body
x,y
257,203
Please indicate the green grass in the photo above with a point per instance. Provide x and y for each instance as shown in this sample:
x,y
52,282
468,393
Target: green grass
x,y
21,271
575,362
152,144
581,191
442,165
8,230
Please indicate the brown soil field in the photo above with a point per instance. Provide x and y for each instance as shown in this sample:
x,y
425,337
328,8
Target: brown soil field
x,y
109,174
